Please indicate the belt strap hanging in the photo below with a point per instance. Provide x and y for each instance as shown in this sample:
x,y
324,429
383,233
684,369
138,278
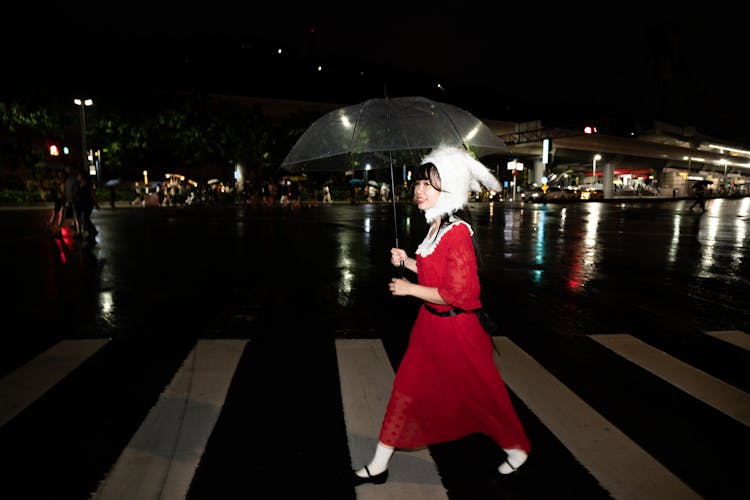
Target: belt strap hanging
x,y
450,312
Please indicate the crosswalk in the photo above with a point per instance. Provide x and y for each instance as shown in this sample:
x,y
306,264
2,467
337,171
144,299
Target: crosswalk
x,y
588,435
162,456
740,339
722,396
20,388
160,460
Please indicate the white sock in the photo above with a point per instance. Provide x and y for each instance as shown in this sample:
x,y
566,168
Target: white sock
x,y
515,458
379,462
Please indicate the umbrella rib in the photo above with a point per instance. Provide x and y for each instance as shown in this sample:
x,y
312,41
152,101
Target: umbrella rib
x,y
354,131
453,124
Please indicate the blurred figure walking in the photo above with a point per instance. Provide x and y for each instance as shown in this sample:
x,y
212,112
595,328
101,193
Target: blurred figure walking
x,y
70,212
327,195
86,203
700,196
57,193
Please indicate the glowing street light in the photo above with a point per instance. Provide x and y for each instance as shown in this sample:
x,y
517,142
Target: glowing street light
x,y
597,157
724,162
84,152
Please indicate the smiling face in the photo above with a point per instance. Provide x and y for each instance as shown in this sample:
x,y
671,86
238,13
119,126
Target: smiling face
x,y
425,196
427,186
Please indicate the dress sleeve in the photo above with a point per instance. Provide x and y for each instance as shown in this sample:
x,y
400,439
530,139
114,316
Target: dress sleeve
x,y
460,286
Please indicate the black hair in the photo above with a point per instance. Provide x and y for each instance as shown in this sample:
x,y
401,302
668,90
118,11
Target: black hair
x,y
429,172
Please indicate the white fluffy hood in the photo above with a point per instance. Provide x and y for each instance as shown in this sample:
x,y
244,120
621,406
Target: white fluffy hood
x,y
460,173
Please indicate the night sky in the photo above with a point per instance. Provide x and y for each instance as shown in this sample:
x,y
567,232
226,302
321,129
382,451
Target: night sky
x,y
564,64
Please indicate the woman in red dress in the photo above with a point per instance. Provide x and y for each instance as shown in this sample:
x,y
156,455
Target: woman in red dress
x,y
447,385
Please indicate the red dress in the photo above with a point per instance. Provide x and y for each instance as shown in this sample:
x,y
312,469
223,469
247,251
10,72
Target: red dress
x,y
447,385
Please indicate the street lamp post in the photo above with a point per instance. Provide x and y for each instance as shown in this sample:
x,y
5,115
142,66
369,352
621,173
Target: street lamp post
x,y
514,166
83,103
597,157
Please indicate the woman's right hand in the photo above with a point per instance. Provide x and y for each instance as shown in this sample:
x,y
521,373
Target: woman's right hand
x,y
398,256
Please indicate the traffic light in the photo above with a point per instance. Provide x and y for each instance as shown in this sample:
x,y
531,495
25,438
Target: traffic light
x,y
53,150
589,129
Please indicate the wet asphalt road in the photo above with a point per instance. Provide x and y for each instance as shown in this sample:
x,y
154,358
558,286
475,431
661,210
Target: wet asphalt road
x,y
159,278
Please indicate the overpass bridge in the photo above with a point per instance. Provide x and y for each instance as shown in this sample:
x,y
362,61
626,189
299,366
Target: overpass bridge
x,y
665,156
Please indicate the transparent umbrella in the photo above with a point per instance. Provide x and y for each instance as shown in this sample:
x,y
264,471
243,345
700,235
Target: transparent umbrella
x,y
385,132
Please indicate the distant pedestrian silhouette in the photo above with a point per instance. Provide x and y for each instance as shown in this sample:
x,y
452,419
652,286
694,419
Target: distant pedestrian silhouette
x,y
70,212
86,203
57,193
700,196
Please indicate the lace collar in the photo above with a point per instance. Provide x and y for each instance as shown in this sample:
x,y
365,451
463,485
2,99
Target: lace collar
x,y
430,243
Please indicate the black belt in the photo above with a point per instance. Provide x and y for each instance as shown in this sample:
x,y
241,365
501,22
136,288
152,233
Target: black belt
x,y
450,312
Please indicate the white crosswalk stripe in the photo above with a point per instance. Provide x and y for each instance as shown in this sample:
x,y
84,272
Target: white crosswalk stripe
x,y
712,391
163,455
26,384
588,435
160,460
736,337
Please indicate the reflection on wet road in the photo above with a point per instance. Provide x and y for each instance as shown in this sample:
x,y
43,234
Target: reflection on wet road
x,y
587,258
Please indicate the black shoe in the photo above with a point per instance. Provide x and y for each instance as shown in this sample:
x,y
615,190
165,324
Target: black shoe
x,y
376,479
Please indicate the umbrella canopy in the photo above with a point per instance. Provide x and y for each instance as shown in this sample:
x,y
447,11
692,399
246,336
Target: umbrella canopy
x,y
355,182
377,132
373,183
112,182
384,132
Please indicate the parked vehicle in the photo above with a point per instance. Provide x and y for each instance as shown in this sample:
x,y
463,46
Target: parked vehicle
x,y
553,194
592,194
530,194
